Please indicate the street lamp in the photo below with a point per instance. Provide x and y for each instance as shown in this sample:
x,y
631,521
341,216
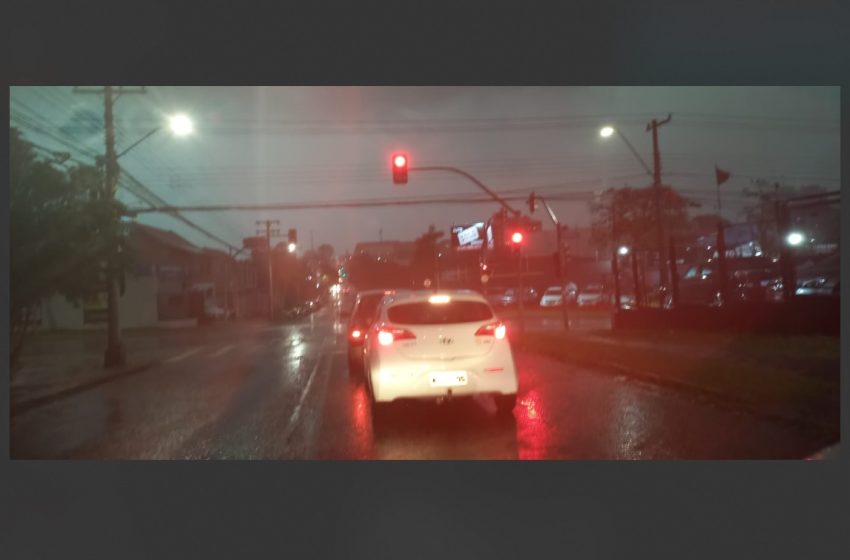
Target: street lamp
x,y
623,250
291,247
180,125
608,131
795,238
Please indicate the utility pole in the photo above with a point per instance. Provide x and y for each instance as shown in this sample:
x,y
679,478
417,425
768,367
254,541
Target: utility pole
x,y
656,183
115,355
269,233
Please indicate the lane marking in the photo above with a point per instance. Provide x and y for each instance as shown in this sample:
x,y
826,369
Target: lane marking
x,y
184,355
293,419
221,351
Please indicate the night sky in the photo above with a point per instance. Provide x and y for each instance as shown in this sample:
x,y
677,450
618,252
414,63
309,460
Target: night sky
x,y
302,144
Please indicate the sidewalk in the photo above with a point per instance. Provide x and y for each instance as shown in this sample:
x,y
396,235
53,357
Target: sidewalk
x,y
55,364
791,377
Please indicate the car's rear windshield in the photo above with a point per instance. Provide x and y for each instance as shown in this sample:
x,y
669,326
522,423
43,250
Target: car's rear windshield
x,y
425,313
367,307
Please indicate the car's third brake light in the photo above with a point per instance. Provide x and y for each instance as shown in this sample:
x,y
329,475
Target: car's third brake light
x,y
499,330
387,335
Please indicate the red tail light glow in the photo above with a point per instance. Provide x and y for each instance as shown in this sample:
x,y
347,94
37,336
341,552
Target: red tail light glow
x,y
387,335
356,334
498,329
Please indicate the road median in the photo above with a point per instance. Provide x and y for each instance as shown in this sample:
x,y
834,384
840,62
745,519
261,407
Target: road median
x,y
795,378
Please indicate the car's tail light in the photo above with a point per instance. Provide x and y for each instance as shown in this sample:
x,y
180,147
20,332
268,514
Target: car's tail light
x,y
356,334
387,335
498,329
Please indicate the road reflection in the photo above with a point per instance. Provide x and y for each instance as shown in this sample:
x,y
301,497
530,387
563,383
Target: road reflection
x,y
532,428
461,429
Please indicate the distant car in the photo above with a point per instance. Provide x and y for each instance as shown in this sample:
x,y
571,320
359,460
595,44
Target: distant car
x,y
627,301
427,345
553,296
593,294
509,297
748,279
362,315
820,279
346,304
215,313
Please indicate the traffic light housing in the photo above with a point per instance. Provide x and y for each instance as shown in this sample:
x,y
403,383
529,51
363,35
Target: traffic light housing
x,y
532,203
293,236
399,164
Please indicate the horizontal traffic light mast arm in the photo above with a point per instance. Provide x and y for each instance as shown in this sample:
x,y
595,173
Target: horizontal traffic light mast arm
x,y
463,173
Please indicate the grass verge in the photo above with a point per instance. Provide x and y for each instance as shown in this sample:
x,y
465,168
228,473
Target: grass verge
x,y
794,377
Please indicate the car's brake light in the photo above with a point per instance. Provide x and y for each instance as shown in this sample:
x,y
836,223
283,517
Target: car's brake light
x,y
387,335
356,334
498,329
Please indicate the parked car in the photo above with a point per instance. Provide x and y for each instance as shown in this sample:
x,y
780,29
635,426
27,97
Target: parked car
x,y
747,280
820,279
554,296
593,294
433,346
508,297
214,312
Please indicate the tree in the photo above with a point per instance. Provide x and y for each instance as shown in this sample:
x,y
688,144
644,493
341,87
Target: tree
x,y
62,230
627,216
424,262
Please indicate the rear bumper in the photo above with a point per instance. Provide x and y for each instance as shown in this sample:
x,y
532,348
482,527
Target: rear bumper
x,y
412,379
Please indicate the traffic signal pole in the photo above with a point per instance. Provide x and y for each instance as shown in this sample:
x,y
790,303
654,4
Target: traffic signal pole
x,y
562,261
468,176
269,233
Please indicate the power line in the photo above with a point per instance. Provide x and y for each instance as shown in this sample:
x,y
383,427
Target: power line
x,y
136,187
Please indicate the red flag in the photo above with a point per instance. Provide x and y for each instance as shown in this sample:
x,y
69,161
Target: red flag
x,y
722,176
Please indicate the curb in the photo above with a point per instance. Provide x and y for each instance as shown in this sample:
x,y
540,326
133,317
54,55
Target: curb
x,y
21,407
724,398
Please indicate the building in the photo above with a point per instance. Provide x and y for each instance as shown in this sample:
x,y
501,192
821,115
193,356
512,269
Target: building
x,y
171,283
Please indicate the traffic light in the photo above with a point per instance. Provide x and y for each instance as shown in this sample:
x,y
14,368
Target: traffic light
x,y
293,236
532,203
517,237
399,164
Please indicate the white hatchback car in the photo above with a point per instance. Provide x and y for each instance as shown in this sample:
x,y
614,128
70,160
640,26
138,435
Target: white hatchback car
x,y
553,296
427,345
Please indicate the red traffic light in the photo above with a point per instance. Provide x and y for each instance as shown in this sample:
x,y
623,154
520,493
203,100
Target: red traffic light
x,y
517,237
399,165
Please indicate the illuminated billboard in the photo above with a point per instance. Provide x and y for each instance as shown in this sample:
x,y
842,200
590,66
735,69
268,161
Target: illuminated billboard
x,y
468,237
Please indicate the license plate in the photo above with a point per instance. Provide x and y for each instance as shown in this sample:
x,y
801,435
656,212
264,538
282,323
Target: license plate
x,y
448,378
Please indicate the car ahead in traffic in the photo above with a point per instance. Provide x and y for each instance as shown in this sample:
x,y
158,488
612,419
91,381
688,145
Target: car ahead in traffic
x,y
362,315
433,346
592,295
554,296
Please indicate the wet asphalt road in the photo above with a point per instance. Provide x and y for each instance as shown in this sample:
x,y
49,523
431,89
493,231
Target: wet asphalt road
x,y
284,392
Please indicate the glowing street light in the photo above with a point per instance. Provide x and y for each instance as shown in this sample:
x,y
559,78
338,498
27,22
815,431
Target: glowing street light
x,y
623,250
291,247
181,125
795,238
606,131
